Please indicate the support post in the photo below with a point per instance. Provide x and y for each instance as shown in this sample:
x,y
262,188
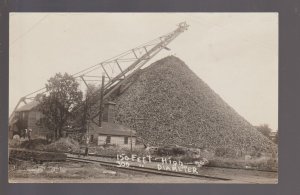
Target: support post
x,y
134,54
119,67
16,107
105,71
86,118
84,82
24,100
101,101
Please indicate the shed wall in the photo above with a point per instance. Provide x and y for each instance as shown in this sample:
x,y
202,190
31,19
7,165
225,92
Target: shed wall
x,y
37,130
118,140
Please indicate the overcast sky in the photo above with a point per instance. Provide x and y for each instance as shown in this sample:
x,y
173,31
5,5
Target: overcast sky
x,y
236,54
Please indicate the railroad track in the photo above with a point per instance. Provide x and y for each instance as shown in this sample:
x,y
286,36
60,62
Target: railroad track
x,y
145,169
159,160
109,161
154,160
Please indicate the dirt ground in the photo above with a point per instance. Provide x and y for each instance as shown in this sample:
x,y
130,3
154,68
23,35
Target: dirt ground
x,y
147,179
70,172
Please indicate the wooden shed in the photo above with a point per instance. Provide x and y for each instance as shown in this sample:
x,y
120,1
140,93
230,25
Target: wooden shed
x,y
112,133
27,117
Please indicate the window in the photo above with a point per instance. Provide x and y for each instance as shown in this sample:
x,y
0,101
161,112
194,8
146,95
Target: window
x,y
92,138
108,139
23,115
125,140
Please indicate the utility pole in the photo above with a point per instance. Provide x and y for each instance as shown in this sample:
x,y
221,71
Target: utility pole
x,y
101,101
86,118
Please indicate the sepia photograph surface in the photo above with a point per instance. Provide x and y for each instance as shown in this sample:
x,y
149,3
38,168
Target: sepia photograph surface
x,y
143,98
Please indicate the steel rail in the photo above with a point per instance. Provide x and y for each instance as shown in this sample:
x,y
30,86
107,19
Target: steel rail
x,y
145,169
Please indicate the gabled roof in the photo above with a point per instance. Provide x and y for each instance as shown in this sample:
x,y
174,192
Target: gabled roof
x,y
273,133
111,129
27,107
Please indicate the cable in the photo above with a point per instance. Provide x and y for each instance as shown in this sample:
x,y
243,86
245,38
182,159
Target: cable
x,y
29,30
96,66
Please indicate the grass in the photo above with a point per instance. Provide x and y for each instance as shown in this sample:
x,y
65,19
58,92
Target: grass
x,y
64,171
262,163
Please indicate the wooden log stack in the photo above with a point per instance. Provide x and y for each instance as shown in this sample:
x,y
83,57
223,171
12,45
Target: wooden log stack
x,y
179,108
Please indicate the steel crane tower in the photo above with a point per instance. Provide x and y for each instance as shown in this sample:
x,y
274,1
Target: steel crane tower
x,y
119,68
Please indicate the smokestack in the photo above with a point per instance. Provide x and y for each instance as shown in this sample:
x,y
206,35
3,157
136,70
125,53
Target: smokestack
x,y
108,112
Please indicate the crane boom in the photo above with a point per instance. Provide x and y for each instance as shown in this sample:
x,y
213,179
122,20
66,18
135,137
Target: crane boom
x,y
126,64
140,62
165,40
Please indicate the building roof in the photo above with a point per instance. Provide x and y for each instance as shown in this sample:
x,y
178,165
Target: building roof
x,y
27,107
273,133
111,129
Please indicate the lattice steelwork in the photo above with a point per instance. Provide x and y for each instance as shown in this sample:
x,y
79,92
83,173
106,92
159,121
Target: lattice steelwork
x,y
120,67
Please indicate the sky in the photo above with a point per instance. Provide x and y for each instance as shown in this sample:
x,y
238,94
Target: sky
x,y
236,54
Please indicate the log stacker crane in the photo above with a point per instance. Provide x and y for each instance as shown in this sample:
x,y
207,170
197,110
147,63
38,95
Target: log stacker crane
x,y
117,69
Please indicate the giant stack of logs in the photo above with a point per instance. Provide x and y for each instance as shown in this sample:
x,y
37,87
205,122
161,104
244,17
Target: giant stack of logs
x,y
179,108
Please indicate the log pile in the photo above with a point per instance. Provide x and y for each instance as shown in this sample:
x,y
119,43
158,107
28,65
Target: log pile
x,y
37,156
179,108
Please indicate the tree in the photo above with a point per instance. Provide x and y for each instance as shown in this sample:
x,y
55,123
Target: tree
x,y
88,103
276,138
56,107
88,108
264,129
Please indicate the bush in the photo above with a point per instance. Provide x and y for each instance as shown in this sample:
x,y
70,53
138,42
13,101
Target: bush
x,y
171,151
62,145
114,150
14,143
34,144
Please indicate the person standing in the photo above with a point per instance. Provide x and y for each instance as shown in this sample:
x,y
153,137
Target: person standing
x,y
25,133
29,134
86,153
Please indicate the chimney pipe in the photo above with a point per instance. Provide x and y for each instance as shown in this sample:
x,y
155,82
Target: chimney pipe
x,y
108,112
